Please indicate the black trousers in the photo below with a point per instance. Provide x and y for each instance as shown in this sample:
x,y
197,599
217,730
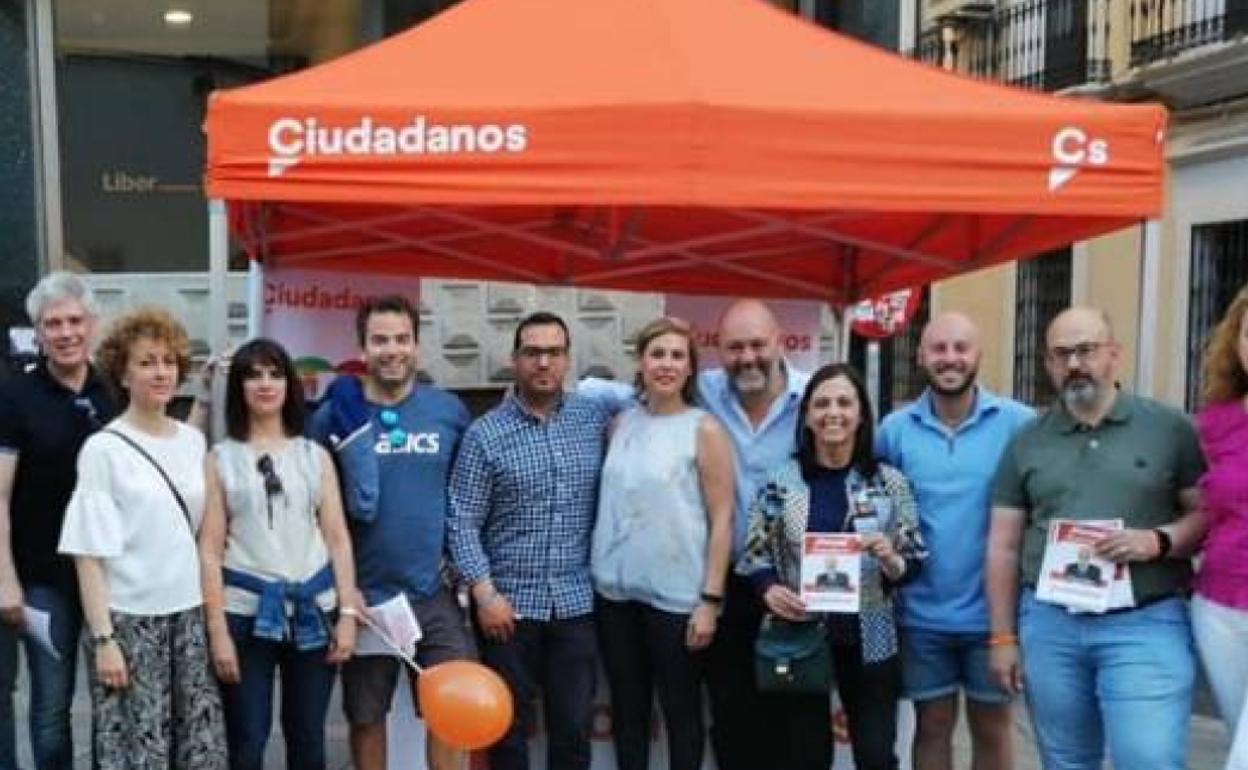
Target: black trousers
x,y
741,727
869,694
644,652
559,659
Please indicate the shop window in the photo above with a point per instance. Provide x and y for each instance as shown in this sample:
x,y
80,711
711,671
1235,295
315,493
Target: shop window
x,y
1219,271
868,20
1042,291
132,85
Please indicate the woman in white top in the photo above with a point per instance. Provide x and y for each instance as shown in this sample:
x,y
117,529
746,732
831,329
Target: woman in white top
x,y
277,564
130,526
660,549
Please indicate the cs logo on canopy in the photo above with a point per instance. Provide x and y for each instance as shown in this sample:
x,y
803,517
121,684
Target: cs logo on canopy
x,y
1073,150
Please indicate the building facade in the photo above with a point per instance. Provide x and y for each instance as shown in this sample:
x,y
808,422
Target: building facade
x,y
1166,283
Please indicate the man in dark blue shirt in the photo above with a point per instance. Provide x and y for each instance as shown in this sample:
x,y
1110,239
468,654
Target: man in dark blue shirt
x,y
394,442
45,416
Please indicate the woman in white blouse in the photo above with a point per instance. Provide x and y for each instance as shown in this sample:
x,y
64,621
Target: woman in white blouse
x,y
276,564
131,527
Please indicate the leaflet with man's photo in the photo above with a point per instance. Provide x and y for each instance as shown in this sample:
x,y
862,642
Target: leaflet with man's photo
x,y
1072,574
831,572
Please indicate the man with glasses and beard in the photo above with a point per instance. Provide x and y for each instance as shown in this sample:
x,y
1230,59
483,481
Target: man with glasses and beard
x,y
45,416
948,443
393,441
1122,678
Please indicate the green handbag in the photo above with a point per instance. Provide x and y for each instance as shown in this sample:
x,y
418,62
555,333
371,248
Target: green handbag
x,y
792,657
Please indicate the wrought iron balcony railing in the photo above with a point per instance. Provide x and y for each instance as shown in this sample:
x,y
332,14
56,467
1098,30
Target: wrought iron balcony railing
x,y
1161,29
1045,44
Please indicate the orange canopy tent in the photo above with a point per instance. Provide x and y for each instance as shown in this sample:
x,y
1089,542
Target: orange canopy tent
x,y
698,146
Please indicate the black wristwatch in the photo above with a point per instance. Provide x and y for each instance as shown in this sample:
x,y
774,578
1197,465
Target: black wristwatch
x,y
99,640
711,598
1164,544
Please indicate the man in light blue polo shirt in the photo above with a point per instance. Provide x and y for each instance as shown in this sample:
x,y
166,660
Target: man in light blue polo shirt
x,y
948,443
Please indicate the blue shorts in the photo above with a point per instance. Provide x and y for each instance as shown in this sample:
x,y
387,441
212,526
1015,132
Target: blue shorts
x,y
936,664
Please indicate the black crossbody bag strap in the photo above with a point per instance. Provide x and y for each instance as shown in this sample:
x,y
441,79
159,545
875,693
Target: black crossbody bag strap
x,y
186,512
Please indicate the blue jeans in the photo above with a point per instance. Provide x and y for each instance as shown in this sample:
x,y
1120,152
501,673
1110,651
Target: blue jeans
x,y
1124,678
51,682
935,664
307,682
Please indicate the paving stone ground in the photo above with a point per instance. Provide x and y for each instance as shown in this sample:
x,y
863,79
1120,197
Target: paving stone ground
x,y
1207,752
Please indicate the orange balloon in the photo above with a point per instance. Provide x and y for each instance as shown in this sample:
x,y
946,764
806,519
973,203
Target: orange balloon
x,y
465,704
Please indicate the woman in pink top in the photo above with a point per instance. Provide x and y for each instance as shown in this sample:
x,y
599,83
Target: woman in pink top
x,y
1220,608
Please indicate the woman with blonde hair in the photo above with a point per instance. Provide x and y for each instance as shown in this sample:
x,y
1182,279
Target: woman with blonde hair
x,y
660,550
1220,606
131,527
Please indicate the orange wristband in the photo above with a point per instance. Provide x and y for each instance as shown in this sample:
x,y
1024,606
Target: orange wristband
x,y
1003,640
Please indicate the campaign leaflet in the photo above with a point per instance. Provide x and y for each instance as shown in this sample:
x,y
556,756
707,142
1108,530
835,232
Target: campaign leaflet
x,y
831,572
390,628
1072,574
1121,594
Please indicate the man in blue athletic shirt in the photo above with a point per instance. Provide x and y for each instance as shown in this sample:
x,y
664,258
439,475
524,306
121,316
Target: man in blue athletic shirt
x,y
947,443
394,442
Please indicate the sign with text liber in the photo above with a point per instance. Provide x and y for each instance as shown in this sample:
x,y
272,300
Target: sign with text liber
x,y
312,313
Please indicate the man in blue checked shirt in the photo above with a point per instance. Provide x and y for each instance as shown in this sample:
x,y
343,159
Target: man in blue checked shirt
x,y
523,494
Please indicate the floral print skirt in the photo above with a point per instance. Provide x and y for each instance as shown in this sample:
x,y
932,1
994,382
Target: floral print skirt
x,y
170,716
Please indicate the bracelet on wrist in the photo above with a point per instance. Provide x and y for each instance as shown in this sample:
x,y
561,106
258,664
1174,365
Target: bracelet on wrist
x,y
349,612
99,640
1003,640
712,598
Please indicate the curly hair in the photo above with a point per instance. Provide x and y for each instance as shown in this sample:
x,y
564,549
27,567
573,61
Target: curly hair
x,y
151,323
1222,374
669,325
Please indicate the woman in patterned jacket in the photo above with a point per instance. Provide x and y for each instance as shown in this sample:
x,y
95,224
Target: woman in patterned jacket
x,y
832,485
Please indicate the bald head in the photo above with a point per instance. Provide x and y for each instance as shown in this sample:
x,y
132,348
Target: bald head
x,y
748,316
1088,321
949,354
950,325
749,348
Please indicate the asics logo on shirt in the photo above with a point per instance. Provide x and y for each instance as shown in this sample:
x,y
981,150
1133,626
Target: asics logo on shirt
x,y
408,444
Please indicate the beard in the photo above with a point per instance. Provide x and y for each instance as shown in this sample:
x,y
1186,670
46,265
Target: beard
x,y
968,382
1079,391
751,379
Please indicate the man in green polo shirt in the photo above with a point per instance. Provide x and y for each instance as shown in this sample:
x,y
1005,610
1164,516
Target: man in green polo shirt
x,y
1123,677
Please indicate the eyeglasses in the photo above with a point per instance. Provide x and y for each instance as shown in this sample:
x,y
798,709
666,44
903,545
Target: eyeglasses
x,y
87,409
535,353
390,421
272,482
1081,352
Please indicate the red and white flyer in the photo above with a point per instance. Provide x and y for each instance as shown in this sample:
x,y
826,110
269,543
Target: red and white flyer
x,y
832,572
1072,574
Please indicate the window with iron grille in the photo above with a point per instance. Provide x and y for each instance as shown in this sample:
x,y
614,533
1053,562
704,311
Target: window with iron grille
x,y
1219,270
1042,291
905,379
